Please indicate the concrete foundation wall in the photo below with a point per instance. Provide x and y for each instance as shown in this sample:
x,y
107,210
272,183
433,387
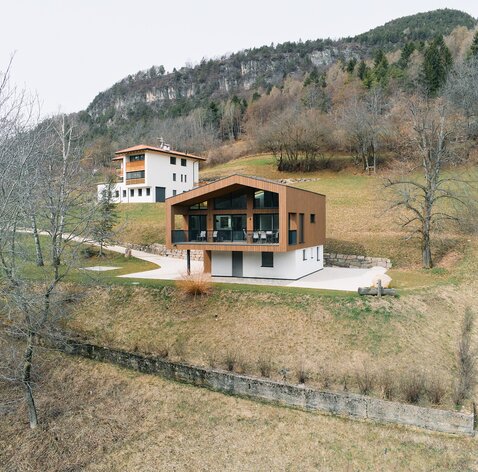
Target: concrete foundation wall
x,y
299,396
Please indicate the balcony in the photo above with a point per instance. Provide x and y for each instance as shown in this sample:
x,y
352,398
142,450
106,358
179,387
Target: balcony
x,y
224,236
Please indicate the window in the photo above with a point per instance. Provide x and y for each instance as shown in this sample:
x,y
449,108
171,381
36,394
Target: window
x,y
266,222
233,201
267,259
304,255
140,192
184,162
318,253
116,193
148,192
124,193
181,177
301,228
139,174
174,177
312,217
264,199
172,160
199,206
174,193
131,192
185,178
139,157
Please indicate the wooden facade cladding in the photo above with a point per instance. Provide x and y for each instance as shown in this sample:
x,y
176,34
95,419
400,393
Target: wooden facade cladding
x,y
135,166
292,203
135,181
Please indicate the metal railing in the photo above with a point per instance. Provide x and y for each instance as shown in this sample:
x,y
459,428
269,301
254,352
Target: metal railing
x,y
225,236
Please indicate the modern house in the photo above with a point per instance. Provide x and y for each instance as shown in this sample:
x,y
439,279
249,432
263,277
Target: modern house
x,y
250,227
147,174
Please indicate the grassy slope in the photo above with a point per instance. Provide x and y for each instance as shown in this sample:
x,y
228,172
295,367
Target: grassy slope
x,y
336,334
109,419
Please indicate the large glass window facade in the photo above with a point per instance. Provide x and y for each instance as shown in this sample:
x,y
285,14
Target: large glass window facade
x,y
233,201
138,157
266,222
263,199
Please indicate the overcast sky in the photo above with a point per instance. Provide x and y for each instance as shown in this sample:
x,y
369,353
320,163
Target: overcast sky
x,y
68,51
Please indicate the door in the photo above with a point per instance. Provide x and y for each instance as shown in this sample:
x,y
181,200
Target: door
x,y
238,227
160,194
237,264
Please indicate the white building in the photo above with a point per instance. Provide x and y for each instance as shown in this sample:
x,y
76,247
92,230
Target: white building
x,y
147,174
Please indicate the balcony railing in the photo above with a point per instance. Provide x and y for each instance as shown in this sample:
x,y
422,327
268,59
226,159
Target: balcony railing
x,y
225,236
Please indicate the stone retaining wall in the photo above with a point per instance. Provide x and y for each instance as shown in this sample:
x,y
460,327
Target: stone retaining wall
x,y
162,250
354,261
330,259
298,396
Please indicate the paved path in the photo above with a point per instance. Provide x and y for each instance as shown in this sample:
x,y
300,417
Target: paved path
x,y
330,278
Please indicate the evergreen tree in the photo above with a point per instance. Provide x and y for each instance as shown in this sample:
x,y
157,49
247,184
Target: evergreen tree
x,y
474,46
407,51
351,65
436,65
362,70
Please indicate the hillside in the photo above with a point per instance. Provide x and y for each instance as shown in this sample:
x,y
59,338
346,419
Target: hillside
x,y
419,27
149,103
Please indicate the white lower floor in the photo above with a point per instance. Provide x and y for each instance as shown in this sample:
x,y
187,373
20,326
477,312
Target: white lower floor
x,y
290,265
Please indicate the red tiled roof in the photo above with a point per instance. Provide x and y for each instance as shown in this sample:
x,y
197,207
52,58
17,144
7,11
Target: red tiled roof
x,y
144,147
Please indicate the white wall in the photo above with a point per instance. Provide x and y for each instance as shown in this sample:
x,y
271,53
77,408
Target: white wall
x,y
159,173
287,265
221,263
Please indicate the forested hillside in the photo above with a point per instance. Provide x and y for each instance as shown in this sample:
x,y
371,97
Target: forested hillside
x,y
207,107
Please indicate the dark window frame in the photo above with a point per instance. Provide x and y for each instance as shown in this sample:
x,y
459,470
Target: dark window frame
x,y
304,255
312,218
172,160
148,191
184,162
131,192
140,192
267,259
174,176
124,193
301,228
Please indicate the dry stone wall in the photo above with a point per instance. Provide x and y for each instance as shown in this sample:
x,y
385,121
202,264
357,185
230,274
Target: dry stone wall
x,y
298,396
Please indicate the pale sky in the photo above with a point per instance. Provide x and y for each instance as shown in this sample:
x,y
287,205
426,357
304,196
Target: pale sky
x,y
67,51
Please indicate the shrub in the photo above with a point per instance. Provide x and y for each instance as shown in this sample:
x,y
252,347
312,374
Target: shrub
x,y
211,359
195,284
435,390
387,384
466,355
365,380
302,375
325,378
264,364
230,360
413,386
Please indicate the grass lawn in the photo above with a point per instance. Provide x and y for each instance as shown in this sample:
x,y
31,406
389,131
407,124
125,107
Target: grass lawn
x,y
104,418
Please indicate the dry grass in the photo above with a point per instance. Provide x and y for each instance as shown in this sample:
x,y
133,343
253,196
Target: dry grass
x,y
335,335
195,284
108,419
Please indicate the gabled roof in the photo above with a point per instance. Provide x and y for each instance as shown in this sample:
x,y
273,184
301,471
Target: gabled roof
x,y
144,147
232,183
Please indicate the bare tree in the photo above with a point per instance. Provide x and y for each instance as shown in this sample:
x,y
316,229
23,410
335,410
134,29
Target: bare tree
x,y
428,148
364,122
64,205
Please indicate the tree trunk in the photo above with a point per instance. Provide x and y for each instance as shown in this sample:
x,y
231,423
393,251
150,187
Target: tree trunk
x,y
426,246
27,368
39,255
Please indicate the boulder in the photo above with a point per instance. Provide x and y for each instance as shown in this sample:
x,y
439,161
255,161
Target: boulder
x,y
384,278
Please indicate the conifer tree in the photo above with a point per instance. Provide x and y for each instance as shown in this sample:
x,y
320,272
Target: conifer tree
x,y
436,65
474,46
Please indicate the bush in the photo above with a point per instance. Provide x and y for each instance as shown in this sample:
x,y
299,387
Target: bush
x,y
302,375
195,284
413,386
466,378
387,384
264,364
325,378
230,360
435,390
365,380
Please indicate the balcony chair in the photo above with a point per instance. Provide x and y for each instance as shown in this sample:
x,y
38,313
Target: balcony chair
x,y
202,236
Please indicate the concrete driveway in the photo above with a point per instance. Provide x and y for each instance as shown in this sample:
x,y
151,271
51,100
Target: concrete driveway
x,y
329,278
